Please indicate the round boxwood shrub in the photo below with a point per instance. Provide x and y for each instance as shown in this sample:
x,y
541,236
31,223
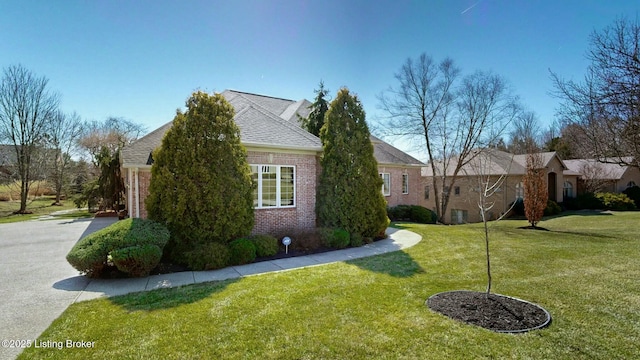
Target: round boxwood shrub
x,y
90,255
413,213
208,256
265,245
137,260
243,251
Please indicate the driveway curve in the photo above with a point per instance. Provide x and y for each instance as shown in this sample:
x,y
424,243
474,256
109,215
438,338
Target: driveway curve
x,y
32,261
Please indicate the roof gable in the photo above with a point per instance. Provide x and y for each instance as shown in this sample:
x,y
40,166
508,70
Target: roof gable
x,y
259,121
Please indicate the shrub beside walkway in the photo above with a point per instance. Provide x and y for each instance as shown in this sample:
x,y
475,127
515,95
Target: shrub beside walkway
x,y
397,240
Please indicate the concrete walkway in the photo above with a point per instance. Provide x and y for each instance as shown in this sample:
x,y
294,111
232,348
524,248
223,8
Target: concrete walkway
x,y
96,288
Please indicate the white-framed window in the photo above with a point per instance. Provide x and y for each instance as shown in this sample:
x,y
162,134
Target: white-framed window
x,y
386,184
459,216
519,190
427,190
405,183
276,186
567,190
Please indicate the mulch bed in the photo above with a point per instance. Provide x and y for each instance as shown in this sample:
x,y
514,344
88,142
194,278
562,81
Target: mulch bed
x,y
494,312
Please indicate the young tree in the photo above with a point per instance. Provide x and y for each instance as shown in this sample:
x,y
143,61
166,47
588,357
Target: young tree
x,y
26,107
349,195
450,116
313,123
201,185
535,189
605,103
62,137
489,187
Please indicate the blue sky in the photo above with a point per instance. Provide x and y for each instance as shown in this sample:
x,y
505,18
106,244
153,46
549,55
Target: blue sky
x,y
141,59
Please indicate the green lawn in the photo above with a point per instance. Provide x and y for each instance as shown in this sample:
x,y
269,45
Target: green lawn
x,y
40,206
585,272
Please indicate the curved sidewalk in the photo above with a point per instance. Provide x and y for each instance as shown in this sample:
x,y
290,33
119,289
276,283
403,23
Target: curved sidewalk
x,y
96,288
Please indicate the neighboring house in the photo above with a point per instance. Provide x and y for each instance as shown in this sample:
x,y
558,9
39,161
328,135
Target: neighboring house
x,y
493,164
400,173
606,177
284,159
7,161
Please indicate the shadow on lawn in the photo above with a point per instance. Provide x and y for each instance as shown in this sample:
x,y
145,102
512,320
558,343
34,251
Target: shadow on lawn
x,y
396,264
171,297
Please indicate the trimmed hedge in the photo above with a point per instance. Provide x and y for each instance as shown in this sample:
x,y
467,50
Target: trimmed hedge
x,y
138,260
265,245
208,256
335,238
243,251
413,213
127,240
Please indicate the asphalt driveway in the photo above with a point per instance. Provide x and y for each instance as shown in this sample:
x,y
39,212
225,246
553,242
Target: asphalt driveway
x,y
36,282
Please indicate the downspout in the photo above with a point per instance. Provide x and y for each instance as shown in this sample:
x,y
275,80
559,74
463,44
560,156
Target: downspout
x,y
129,192
137,193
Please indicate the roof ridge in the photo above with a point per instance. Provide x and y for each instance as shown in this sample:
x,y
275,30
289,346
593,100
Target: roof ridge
x,y
265,96
282,121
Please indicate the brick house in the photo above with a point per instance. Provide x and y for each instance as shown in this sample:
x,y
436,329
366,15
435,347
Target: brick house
x,y
605,177
493,164
284,159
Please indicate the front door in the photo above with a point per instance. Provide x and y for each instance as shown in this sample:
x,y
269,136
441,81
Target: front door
x,y
551,181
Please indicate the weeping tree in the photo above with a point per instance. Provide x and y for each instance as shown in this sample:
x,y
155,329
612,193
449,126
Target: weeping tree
x,y
349,190
201,185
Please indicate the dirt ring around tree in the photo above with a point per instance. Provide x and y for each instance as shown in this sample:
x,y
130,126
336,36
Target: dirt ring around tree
x,y
499,313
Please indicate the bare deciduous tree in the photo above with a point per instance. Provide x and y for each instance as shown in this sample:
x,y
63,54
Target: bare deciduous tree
x,y
62,137
114,133
448,115
26,107
525,133
605,105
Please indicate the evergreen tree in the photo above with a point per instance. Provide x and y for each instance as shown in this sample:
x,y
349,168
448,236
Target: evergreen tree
x,y
201,185
349,192
313,123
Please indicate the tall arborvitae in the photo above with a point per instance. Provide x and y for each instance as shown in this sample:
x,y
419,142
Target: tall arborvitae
x,y
313,123
201,185
349,192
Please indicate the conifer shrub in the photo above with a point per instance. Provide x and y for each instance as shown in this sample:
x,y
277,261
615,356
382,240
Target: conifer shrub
x,y
208,256
348,192
634,194
243,251
356,240
91,254
201,185
265,245
335,238
137,261
552,208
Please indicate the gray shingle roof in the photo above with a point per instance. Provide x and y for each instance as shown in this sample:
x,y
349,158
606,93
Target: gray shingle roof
x,y
260,122
493,162
386,154
596,169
